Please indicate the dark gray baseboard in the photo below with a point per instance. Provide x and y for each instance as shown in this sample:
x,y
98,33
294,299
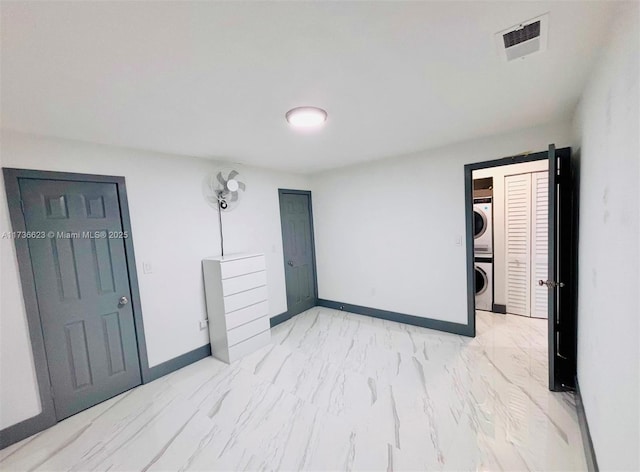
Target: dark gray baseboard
x,y
287,315
179,362
589,451
31,426
447,326
24,429
281,318
497,308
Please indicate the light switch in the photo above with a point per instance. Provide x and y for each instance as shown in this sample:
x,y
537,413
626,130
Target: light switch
x,y
458,240
147,268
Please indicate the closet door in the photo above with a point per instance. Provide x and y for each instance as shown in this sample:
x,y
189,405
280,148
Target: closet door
x,y
518,243
540,242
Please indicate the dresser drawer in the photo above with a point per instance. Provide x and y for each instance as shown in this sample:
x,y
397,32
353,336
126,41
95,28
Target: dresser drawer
x,y
244,315
250,345
247,330
244,266
243,282
244,299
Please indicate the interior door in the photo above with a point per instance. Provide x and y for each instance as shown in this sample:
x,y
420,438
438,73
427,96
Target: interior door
x,y
82,287
297,241
560,282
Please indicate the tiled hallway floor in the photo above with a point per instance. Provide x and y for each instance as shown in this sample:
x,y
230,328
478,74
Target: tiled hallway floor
x,y
335,391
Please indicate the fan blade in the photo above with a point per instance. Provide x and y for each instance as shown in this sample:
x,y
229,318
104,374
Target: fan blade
x,y
234,196
232,174
221,179
242,186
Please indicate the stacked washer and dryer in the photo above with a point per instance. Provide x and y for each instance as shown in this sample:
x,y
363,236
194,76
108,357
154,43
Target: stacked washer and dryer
x,y
483,252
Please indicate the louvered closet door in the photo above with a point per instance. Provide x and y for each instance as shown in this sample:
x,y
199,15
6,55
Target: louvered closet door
x,y
517,242
540,242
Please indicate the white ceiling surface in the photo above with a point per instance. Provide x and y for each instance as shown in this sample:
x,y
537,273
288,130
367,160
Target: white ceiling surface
x,y
214,79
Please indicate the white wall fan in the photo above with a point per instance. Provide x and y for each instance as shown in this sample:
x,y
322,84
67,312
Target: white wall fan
x,y
223,190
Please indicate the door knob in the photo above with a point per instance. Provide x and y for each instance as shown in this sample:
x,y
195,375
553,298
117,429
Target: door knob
x,y
290,263
123,301
550,283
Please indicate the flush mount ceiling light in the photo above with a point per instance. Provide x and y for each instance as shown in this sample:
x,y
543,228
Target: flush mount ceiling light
x,y
306,117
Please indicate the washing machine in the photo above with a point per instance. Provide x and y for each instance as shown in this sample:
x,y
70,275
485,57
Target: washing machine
x,y
484,283
482,227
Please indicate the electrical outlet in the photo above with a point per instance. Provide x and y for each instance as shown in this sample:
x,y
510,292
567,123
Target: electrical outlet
x,y
203,324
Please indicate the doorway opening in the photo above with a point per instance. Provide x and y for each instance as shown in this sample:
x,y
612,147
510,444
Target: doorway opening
x,y
510,210
521,217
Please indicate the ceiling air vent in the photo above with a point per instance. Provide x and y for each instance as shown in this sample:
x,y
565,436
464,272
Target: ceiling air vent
x,y
523,39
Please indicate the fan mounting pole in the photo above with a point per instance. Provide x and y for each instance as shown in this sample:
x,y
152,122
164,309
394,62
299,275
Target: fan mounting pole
x,y
223,193
220,226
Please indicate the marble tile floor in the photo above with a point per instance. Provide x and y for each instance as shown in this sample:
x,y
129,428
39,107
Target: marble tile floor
x,y
335,391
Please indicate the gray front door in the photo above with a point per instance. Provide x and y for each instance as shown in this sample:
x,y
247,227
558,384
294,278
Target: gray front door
x,y
297,241
79,266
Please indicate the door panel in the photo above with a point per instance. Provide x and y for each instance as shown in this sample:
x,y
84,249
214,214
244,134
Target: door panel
x,y
552,274
64,260
80,275
113,342
297,240
78,359
102,257
560,281
517,243
540,242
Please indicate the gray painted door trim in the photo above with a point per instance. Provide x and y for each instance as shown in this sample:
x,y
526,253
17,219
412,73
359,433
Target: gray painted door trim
x,y
47,417
287,314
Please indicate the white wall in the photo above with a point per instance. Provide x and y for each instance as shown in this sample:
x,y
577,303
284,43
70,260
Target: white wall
x,y
499,250
386,231
173,229
19,397
607,130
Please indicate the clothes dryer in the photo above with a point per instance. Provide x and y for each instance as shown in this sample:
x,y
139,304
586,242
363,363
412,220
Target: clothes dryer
x,y
484,283
482,227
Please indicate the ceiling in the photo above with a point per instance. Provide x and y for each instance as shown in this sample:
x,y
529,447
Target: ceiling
x,y
214,79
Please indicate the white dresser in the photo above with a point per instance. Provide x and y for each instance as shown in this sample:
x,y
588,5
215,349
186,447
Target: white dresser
x,y
236,292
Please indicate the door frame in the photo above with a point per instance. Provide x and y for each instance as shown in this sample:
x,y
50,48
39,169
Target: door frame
x,y
47,417
571,265
288,314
